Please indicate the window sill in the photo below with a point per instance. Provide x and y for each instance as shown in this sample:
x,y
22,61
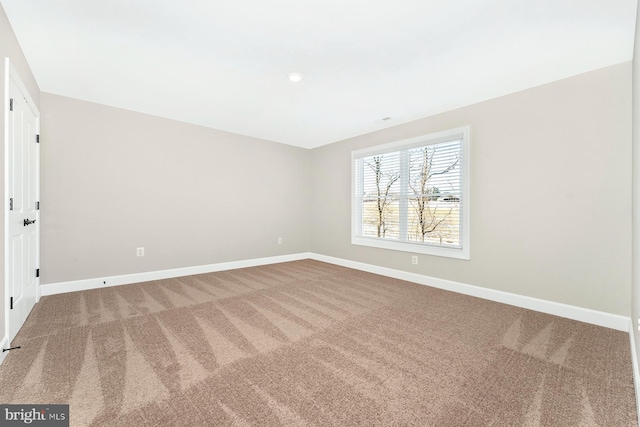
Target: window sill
x,y
416,248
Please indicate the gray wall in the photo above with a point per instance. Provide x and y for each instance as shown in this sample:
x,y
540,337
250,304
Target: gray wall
x,y
10,48
550,190
114,180
635,297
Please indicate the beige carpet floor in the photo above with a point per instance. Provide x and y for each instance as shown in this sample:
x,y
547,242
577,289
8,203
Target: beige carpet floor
x,y
311,344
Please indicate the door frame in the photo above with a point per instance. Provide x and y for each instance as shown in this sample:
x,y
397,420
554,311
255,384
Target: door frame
x,y
12,75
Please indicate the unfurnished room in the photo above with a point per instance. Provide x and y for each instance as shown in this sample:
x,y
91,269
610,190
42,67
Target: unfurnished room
x,y
335,213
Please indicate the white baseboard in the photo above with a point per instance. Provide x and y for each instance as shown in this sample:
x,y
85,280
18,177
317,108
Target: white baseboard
x,y
4,344
586,315
634,363
82,285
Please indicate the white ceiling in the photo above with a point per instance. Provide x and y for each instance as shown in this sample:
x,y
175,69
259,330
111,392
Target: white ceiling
x,y
224,64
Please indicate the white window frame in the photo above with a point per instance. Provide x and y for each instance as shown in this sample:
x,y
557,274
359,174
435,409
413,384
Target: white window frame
x,y
407,246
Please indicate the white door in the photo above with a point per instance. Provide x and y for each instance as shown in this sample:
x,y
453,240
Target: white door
x,y
22,226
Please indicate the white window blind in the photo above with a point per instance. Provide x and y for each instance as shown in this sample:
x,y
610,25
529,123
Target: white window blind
x,y
412,195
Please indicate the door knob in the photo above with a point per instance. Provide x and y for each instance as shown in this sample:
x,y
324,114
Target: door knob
x,y
29,221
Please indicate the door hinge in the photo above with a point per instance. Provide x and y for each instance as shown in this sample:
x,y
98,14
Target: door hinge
x,y
11,203
38,272
11,104
37,206
11,303
38,139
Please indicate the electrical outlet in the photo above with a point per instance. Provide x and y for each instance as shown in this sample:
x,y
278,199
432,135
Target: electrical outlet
x,y
414,259
279,240
140,252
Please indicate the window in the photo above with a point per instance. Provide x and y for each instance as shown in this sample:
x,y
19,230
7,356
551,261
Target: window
x,y
413,195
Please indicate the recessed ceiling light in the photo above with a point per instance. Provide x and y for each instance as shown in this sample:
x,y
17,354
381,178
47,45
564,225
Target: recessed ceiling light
x,y
295,77
386,118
